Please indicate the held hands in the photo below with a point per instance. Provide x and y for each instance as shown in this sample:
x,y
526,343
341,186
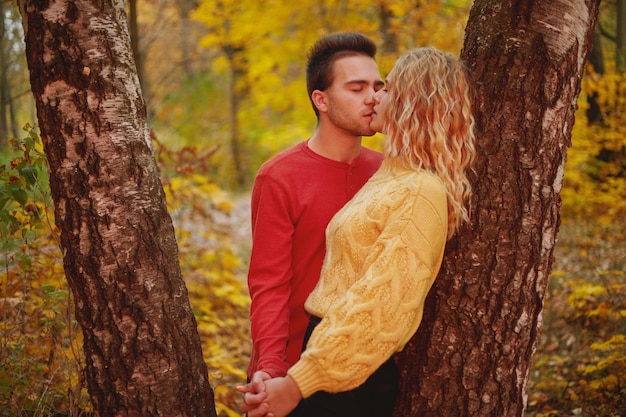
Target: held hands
x,y
254,395
266,397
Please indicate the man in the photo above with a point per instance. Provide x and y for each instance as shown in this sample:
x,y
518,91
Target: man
x,y
297,192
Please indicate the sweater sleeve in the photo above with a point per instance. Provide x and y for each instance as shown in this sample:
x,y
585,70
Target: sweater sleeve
x,y
269,274
381,311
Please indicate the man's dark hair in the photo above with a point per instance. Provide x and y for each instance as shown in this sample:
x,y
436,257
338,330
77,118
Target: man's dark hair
x,y
328,49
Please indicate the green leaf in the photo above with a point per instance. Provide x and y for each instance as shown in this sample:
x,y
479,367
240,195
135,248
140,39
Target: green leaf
x,y
19,195
30,174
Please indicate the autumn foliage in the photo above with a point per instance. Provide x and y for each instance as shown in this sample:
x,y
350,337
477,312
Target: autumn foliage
x,y
41,358
580,363
578,368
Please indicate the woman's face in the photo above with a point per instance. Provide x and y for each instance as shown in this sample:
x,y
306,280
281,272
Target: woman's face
x,y
381,101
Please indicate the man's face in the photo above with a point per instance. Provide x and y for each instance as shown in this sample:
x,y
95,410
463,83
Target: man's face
x,y
350,98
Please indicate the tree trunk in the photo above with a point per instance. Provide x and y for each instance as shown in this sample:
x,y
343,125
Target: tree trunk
x,y
472,354
390,39
596,59
134,41
12,84
5,88
236,73
186,24
620,49
142,350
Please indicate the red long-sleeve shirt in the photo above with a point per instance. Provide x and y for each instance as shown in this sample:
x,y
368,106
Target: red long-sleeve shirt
x,y
295,194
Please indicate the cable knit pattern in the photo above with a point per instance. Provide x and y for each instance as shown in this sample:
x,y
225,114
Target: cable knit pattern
x,y
384,250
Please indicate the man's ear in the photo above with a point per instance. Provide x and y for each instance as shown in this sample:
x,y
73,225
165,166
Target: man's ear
x,y
319,99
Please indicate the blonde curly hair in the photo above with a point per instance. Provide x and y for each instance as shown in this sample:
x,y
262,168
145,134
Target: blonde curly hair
x,y
429,123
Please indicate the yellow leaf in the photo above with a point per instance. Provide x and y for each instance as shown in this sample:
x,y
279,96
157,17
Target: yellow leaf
x,y
617,341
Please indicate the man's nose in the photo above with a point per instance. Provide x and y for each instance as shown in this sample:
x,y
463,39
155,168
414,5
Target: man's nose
x,y
372,97
376,97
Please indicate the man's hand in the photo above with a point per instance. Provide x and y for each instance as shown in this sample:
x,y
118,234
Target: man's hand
x,y
254,395
283,396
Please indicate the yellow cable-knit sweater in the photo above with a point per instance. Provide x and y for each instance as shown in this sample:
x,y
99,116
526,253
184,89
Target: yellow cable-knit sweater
x,y
383,252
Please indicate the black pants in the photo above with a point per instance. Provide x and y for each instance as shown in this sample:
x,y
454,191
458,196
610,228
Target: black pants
x,y
376,397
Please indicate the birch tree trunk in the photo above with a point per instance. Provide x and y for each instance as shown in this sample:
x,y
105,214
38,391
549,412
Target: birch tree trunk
x,y
472,354
142,349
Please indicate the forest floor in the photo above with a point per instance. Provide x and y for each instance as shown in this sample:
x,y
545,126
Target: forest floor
x,y
579,367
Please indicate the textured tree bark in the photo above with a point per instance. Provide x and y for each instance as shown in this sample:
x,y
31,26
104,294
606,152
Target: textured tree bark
x,y
142,350
472,354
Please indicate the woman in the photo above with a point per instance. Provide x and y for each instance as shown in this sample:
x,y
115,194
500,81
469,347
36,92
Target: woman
x,y
384,248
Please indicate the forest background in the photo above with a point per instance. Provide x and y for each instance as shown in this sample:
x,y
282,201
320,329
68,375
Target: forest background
x,y
225,90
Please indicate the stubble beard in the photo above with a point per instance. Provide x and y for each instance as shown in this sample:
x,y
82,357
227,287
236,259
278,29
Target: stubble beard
x,y
349,124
